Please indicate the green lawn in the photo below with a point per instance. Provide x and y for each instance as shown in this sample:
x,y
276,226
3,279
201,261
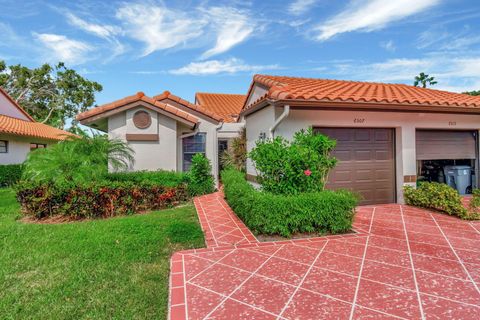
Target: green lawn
x,y
103,269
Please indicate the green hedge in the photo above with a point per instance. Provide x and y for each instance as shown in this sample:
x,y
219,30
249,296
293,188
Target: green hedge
x,y
438,196
265,213
160,177
10,174
96,199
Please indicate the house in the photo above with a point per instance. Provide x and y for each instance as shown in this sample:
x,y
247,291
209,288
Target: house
x,y
388,135
165,131
20,133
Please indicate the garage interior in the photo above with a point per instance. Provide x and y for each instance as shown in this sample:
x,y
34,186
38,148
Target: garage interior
x,y
448,156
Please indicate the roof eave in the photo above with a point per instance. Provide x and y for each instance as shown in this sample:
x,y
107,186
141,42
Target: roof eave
x,y
359,105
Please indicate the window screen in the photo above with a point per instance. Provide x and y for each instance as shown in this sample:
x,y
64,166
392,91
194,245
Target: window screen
x,y
191,146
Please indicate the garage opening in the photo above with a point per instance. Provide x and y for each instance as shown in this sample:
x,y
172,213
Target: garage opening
x,y
366,162
447,156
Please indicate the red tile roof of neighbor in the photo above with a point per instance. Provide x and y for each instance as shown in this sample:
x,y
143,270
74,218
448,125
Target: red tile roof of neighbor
x,y
227,106
29,128
139,96
194,107
323,90
9,125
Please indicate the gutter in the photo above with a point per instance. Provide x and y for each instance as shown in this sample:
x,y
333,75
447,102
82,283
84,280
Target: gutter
x,y
286,111
195,131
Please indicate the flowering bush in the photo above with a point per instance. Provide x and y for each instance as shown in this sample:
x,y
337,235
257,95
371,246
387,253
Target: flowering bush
x,y
293,167
96,199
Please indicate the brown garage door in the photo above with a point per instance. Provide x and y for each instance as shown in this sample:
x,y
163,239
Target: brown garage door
x,y
445,144
366,162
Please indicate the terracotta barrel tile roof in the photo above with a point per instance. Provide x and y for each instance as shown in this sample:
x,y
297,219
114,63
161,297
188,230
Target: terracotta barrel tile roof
x,y
227,106
195,107
139,96
308,89
9,125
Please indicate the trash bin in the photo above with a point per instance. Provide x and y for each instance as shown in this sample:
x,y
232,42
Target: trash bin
x,y
458,177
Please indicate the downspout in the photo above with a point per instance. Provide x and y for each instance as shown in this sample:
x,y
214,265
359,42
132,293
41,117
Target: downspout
x,y
286,111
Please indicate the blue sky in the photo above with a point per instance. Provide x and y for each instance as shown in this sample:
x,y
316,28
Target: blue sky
x,y
216,46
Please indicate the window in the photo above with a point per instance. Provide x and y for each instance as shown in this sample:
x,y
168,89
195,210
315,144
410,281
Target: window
x,y
3,146
191,146
34,146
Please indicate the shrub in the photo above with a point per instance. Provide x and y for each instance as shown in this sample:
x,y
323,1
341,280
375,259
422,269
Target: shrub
x,y
236,155
266,213
77,160
438,196
10,174
160,177
96,199
200,176
474,205
294,167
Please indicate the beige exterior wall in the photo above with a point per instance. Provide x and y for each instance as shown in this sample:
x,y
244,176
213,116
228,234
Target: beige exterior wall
x,y
149,155
18,148
404,124
256,124
9,109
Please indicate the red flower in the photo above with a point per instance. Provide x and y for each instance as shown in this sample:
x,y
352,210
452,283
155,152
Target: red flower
x,y
308,172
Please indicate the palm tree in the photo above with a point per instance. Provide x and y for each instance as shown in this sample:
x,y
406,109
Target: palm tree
x,y
77,160
424,79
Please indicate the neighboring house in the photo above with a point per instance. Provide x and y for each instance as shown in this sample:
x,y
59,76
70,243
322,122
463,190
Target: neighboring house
x,y
387,134
20,133
165,131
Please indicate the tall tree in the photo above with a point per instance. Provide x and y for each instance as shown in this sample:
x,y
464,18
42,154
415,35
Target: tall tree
x,y
472,93
50,94
424,79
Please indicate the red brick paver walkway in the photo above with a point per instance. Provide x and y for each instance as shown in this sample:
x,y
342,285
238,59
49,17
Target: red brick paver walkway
x,y
408,264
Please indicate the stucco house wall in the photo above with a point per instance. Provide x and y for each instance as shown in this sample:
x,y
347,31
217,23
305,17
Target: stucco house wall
x,y
149,155
405,125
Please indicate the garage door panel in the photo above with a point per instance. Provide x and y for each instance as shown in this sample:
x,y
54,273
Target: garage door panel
x,y
445,144
365,162
383,135
341,176
384,155
363,135
363,155
344,155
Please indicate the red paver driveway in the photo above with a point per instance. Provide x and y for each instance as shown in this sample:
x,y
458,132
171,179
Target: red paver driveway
x,y
403,263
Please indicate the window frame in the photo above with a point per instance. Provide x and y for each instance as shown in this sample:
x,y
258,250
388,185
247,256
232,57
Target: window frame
x,y
4,147
192,153
35,146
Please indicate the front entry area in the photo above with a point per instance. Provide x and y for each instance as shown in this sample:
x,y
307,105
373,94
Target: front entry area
x,y
366,162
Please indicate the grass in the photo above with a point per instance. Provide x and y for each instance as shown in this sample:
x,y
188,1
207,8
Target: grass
x,y
101,269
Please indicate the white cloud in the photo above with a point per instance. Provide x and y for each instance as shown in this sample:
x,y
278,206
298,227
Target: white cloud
x,y
64,49
388,45
453,73
218,66
299,7
448,40
370,15
104,31
232,26
158,27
